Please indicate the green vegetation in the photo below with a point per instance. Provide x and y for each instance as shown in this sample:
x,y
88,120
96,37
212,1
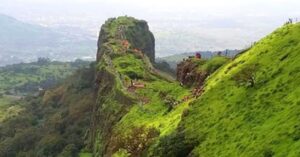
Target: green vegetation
x,y
85,155
130,66
211,65
40,121
256,119
193,72
152,109
9,107
19,80
165,67
54,123
134,117
27,77
173,60
115,31
122,106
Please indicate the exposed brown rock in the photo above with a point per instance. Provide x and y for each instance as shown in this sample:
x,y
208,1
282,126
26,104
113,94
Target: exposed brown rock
x,y
188,75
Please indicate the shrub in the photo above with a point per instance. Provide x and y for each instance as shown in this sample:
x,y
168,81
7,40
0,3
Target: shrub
x,y
20,142
132,75
51,145
268,153
247,76
170,102
137,141
69,151
175,145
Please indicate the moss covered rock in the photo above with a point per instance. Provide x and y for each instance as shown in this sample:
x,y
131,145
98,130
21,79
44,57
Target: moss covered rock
x,y
136,32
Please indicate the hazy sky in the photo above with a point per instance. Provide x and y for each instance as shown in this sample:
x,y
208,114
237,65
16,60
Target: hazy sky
x,y
188,24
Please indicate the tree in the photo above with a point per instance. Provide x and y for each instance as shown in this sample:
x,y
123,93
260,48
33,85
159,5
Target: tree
x,y
247,76
137,141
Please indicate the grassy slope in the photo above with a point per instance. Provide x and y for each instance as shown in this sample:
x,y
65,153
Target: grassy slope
x,y
151,106
127,65
154,113
209,65
234,120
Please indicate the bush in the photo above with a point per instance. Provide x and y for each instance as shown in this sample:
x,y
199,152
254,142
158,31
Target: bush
x,y
175,145
51,145
21,142
137,141
132,75
69,151
268,153
247,76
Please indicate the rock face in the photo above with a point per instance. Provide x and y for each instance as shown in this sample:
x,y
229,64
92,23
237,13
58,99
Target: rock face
x,y
126,79
136,32
194,71
121,37
188,75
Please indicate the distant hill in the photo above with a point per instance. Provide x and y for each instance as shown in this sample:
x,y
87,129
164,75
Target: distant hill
x,y
19,80
23,42
19,34
173,60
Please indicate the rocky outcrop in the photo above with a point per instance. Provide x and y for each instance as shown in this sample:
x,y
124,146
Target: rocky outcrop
x,y
120,36
194,71
124,28
187,74
141,38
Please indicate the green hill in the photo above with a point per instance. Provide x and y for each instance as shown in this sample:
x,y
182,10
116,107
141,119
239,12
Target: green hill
x,y
122,106
20,80
250,107
83,115
127,111
173,60
54,123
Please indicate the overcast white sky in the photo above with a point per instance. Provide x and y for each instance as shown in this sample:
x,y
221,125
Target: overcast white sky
x,y
193,24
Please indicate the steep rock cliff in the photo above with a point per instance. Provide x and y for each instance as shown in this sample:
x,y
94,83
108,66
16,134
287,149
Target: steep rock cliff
x,y
125,79
136,32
